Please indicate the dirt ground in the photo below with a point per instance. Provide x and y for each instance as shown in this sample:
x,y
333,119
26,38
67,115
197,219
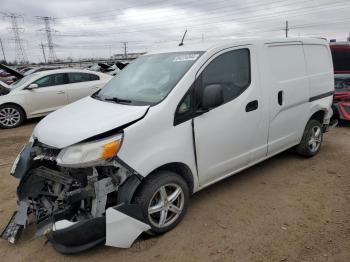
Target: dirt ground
x,y
284,209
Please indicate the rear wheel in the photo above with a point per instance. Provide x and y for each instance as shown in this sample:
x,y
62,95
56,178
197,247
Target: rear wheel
x,y
163,199
11,116
312,139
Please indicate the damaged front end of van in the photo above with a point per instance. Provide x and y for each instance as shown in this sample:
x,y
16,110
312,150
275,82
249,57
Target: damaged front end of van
x,y
79,196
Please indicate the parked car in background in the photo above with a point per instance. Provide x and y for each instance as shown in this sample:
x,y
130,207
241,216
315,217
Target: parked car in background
x,y
22,70
10,75
109,68
341,63
40,93
39,69
127,159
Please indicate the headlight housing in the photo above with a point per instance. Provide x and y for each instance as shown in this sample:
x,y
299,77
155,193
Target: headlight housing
x,y
90,153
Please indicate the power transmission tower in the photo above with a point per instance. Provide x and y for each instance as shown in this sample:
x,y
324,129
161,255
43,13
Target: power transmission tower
x,y
49,31
2,48
20,54
125,50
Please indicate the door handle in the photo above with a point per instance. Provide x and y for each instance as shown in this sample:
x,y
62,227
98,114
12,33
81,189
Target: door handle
x,y
251,106
280,98
60,92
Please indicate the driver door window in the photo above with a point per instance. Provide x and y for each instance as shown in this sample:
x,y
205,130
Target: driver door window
x,y
51,80
44,81
231,70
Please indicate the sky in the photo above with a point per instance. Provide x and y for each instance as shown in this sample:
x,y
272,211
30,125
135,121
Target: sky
x,y
97,29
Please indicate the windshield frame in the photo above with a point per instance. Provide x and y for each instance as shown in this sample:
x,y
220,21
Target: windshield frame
x,y
146,103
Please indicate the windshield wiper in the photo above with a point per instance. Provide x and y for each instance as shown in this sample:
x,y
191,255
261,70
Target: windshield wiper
x,y
118,100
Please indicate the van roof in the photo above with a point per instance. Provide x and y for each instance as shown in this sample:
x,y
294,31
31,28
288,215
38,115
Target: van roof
x,y
208,45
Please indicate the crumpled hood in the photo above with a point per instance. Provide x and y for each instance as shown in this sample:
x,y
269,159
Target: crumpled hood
x,y
83,119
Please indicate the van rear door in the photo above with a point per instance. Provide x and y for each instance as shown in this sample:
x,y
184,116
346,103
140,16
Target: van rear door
x,y
289,94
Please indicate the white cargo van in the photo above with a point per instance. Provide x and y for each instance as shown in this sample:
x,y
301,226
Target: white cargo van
x,y
126,160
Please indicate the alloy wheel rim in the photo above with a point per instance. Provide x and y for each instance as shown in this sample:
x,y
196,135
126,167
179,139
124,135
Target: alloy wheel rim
x,y
315,139
9,117
166,205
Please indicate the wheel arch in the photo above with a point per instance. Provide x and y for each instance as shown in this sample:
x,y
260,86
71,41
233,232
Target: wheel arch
x,y
132,186
319,115
179,168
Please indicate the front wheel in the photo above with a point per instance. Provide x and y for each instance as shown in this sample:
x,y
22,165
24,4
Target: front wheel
x,y
163,199
11,116
312,139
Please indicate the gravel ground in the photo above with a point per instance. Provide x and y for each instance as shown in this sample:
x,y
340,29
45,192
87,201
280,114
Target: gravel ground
x,y
284,209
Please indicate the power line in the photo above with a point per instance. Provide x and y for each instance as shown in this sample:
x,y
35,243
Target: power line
x,y
240,21
48,31
228,13
193,4
226,10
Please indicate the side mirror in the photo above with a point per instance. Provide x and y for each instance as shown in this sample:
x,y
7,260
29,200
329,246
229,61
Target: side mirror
x,y
32,86
213,96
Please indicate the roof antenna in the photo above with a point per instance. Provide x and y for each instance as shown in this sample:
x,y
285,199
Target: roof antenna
x,y
183,38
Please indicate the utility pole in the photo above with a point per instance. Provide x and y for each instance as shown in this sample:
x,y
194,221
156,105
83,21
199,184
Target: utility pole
x,y
47,29
20,54
287,29
2,48
42,48
125,50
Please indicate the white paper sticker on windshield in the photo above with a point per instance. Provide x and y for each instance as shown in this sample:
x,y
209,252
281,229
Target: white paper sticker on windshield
x,y
188,57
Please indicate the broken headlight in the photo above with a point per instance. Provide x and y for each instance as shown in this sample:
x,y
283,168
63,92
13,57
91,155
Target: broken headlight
x,y
90,153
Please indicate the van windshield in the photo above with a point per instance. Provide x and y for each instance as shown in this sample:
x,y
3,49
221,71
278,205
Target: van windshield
x,y
149,79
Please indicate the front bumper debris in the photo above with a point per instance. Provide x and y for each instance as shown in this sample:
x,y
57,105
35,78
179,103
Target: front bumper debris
x,y
12,231
124,225
119,228
79,237
76,208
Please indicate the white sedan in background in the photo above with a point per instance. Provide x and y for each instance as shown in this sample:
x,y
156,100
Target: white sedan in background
x,y
40,93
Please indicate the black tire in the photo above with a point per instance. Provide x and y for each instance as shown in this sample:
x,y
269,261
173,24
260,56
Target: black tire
x,y
304,148
18,114
149,191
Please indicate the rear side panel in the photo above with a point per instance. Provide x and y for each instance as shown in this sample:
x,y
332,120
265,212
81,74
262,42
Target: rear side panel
x,y
320,70
321,77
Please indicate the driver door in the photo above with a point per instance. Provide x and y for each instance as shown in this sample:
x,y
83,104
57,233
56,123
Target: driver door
x,y
49,96
233,134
